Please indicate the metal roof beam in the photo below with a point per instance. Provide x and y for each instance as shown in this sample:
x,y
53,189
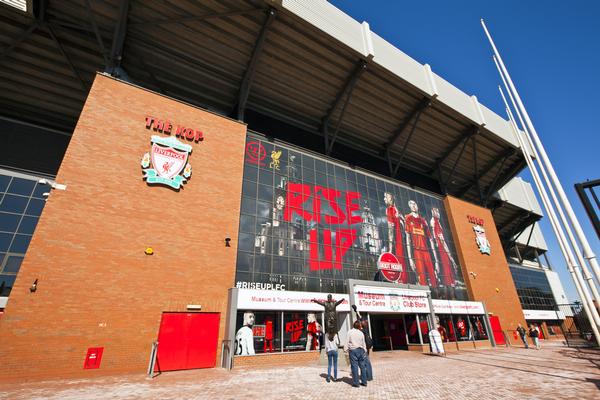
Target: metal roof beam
x,y
116,52
197,17
471,130
16,41
407,141
476,168
507,176
251,69
346,91
415,112
90,12
67,58
499,159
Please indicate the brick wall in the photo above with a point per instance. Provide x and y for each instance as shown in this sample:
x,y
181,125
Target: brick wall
x,y
96,287
493,282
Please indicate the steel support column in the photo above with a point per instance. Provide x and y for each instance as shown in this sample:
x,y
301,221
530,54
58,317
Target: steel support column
x,y
116,52
16,41
90,12
67,58
454,145
196,18
251,68
473,131
415,112
346,92
508,175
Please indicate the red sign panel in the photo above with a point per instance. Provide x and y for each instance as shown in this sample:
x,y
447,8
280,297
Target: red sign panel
x,y
93,358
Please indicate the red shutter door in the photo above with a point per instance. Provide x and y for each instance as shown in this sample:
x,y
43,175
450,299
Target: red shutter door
x,y
187,341
497,330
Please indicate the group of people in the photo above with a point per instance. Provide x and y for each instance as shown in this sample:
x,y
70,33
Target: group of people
x,y
358,346
533,332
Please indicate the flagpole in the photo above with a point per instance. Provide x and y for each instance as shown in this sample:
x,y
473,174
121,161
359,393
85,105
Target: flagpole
x,y
582,262
587,250
587,302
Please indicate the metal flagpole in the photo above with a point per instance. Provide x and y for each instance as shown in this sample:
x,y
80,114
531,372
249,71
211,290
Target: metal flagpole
x,y
582,263
589,309
587,250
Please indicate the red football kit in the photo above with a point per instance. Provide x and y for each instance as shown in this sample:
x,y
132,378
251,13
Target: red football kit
x,y
312,330
446,266
268,344
417,228
394,217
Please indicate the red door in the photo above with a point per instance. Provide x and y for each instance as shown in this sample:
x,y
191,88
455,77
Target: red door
x,y
497,330
187,340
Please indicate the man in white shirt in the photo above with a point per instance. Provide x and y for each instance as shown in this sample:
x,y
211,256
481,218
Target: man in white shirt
x,y
357,349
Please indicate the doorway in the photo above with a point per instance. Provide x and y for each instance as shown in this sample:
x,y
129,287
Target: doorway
x,y
187,341
388,331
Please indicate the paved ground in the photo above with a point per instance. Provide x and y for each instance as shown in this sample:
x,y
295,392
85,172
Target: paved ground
x,y
486,374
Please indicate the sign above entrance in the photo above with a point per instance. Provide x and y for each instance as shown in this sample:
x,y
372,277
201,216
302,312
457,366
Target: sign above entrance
x,y
390,300
250,299
457,307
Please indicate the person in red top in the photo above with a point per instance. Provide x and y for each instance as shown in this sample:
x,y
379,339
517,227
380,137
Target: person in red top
x,y
448,265
396,224
418,234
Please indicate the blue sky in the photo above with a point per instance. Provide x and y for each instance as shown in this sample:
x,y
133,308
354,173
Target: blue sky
x,y
552,53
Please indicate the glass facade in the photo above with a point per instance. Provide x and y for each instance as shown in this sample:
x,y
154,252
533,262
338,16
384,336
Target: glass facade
x,y
533,288
308,224
21,204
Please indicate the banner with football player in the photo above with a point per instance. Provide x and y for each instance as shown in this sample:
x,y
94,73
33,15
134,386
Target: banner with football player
x,y
308,224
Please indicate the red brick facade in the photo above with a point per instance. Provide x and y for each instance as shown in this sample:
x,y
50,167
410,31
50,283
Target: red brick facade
x,y
487,276
96,286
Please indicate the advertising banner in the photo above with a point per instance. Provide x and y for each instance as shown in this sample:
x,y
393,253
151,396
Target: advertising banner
x,y
309,224
457,307
543,314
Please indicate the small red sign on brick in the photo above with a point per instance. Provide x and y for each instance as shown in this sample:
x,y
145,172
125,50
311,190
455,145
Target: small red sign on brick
x,y
93,358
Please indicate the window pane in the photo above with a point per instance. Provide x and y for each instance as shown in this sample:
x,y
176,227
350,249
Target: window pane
x,y
9,222
40,190
258,332
35,207
301,331
463,330
15,204
6,284
21,186
20,244
5,239
28,225
13,264
4,181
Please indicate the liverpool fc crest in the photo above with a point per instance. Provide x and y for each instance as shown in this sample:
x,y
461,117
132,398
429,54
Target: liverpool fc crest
x,y
166,161
481,239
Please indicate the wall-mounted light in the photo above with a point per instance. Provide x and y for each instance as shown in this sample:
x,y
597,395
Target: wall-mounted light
x,y
33,287
227,240
473,274
194,307
149,251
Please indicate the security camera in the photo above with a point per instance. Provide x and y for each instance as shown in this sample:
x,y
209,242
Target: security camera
x,y
43,181
227,240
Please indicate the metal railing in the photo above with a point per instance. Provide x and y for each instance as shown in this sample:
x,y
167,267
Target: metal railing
x,y
152,362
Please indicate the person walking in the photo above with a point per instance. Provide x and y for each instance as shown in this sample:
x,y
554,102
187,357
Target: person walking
x,y
331,349
369,343
534,334
357,349
523,333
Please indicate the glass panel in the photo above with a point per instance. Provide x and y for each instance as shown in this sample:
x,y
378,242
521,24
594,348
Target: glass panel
x,y
301,331
446,328
258,332
15,204
21,186
28,225
4,181
463,329
20,244
479,331
35,207
9,222
39,191
13,263
6,284
412,328
5,239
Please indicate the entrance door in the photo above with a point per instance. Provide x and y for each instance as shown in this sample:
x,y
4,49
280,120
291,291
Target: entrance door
x,y
388,332
497,330
187,341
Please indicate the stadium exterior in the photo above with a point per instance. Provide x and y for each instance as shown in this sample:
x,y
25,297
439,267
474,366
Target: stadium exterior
x,y
230,164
